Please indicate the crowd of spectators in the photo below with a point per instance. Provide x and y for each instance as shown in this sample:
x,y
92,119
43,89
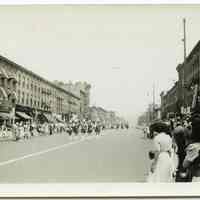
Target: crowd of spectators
x,y
176,151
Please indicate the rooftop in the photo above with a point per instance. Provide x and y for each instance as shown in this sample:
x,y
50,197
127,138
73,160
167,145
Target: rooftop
x,y
13,64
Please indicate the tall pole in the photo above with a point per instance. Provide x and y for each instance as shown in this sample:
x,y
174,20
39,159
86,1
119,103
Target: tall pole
x,y
184,51
184,38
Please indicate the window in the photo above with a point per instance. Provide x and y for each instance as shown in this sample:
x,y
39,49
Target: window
x,y
27,84
18,96
27,101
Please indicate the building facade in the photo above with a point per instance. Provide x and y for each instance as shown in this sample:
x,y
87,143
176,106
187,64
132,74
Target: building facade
x,y
189,75
179,98
32,94
81,90
170,102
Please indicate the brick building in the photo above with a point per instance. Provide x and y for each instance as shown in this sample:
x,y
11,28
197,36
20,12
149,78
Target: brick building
x,y
169,101
179,98
33,95
189,74
82,91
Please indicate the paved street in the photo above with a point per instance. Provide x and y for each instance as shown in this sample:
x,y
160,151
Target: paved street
x,y
116,156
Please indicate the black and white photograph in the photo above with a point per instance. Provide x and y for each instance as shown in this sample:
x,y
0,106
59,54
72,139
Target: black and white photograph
x,y
99,94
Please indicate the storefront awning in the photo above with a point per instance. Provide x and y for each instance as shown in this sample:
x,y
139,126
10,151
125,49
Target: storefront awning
x,y
2,90
23,115
58,119
49,117
5,115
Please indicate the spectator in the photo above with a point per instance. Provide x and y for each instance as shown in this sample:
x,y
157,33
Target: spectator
x,y
192,160
162,168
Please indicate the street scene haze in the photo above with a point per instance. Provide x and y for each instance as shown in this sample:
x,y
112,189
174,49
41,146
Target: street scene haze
x,y
99,93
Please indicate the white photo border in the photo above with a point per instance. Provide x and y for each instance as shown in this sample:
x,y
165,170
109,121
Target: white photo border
x,y
100,190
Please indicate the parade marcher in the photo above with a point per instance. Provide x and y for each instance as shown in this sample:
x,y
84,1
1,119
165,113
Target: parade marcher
x,y
90,128
31,129
50,129
69,129
14,129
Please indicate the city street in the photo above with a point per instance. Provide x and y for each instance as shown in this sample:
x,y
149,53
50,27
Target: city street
x,y
115,156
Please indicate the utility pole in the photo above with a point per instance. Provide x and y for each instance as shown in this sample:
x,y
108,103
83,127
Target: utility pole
x,y
184,38
184,51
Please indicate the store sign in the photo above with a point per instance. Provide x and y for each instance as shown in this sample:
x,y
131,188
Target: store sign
x,y
5,106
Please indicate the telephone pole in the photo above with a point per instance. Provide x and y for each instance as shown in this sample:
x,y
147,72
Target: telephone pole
x,y
184,38
184,51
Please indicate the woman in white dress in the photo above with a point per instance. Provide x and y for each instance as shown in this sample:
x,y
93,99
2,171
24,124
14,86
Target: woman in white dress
x,y
162,168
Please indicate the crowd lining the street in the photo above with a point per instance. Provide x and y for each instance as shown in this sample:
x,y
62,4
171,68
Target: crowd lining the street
x,y
175,156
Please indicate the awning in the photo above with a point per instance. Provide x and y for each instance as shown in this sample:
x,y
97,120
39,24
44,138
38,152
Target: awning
x,y
5,115
2,90
17,118
23,115
58,119
49,117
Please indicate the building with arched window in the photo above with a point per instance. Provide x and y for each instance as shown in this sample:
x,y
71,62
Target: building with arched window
x,y
31,95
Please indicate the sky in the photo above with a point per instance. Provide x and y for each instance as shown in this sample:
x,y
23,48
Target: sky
x,y
121,50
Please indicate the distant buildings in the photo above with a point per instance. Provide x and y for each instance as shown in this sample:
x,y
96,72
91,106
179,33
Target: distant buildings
x,y
153,113
82,91
108,118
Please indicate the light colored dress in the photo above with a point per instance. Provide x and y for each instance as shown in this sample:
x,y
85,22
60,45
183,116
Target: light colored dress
x,y
165,167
